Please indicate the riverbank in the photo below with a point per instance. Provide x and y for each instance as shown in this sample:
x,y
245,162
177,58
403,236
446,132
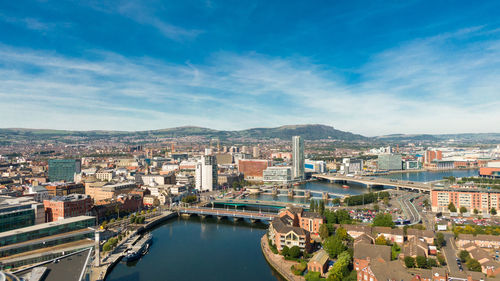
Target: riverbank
x,y
104,266
277,262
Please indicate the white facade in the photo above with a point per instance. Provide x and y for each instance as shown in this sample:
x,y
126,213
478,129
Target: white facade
x,y
297,157
281,175
206,173
313,166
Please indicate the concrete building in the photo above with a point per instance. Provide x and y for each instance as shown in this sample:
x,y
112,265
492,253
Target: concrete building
x,y
152,180
390,162
206,178
351,166
277,175
431,155
224,158
481,199
105,174
256,152
102,191
38,192
314,166
19,212
252,169
23,246
63,207
64,169
63,189
298,157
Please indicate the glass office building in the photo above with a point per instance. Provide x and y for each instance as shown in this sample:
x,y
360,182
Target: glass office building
x,y
16,217
64,169
390,162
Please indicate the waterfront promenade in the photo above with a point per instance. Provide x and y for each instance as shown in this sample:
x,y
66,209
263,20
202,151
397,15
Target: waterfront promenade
x,y
279,263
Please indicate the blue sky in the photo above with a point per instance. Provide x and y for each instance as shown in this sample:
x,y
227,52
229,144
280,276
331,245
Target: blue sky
x,y
370,67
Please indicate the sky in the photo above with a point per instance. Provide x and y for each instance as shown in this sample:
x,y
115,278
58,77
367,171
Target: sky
x,y
368,67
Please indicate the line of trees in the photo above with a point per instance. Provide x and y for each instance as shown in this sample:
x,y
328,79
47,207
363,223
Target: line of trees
x,y
365,198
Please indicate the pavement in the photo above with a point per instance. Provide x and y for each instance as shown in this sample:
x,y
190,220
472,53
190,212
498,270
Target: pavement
x,y
278,262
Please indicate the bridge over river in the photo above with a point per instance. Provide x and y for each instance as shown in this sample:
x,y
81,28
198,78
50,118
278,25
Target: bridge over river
x,y
234,214
377,181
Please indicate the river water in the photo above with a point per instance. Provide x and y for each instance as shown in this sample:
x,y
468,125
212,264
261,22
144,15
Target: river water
x,y
195,249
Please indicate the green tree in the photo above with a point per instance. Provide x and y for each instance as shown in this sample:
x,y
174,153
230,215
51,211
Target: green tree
x,y
104,224
409,262
333,246
284,251
383,220
441,259
340,268
312,206
336,201
463,210
294,252
395,250
439,241
341,234
464,255
421,262
473,265
323,231
381,240
476,211
313,276
376,207
236,185
431,263
321,207
386,201
132,219
493,211
452,207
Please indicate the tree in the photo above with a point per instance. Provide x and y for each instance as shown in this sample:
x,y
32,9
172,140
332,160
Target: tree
x,y
464,255
431,263
493,211
321,207
340,268
463,210
426,203
323,231
132,219
104,224
476,211
421,262
439,241
381,240
236,185
333,246
452,207
313,276
386,201
294,252
409,262
312,206
336,201
474,265
284,251
395,250
376,207
383,220
341,234
441,259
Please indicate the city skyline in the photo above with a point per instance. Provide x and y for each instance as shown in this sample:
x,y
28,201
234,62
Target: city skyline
x,y
413,67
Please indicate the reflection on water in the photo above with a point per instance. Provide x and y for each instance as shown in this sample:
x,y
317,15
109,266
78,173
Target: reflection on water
x,y
226,251
432,175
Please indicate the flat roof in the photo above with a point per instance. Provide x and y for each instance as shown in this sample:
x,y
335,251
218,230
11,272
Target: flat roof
x,y
44,225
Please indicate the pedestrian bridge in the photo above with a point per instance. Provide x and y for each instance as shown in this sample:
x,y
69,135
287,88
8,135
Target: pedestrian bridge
x,y
203,212
377,181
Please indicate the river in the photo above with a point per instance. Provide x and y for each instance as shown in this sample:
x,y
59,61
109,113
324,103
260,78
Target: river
x,y
432,175
195,249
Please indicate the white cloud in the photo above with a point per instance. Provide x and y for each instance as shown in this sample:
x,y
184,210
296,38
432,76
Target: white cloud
x,y
424,86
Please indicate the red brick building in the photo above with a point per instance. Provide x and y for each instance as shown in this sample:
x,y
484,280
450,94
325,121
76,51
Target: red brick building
x,y
63,189
61,207
252,169
431,155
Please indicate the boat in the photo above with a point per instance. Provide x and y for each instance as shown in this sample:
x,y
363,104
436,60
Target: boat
x,y
345,186
139,249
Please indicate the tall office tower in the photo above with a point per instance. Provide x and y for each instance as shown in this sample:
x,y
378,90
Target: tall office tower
x,y
256,152
64,169
298,157
206,173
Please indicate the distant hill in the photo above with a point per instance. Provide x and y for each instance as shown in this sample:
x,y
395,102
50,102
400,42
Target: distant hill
x,y
466,137
309,132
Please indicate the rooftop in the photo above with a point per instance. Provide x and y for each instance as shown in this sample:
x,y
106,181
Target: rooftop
x,y
44,226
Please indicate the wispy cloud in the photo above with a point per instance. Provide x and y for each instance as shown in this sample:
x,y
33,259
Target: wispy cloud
x,y
427,85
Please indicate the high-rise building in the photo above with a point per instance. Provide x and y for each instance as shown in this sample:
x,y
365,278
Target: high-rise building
x,y
256,152
298,157
206,173
431,155
64,169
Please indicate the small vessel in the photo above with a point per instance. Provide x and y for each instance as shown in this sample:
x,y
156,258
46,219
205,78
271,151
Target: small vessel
x,y
345,186
139,249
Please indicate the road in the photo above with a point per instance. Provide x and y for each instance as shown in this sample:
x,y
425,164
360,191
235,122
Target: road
x,y
409,209
450,251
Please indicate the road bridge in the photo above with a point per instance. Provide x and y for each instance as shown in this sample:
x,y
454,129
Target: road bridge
x,y
256,203
377,181
235,214
304,193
